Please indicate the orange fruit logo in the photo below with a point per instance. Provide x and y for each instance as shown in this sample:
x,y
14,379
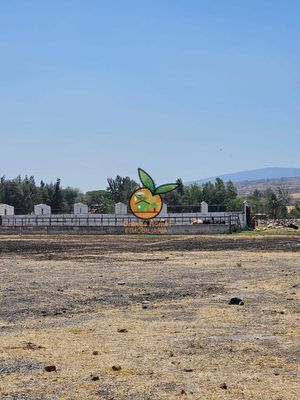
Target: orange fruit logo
x,y
146,202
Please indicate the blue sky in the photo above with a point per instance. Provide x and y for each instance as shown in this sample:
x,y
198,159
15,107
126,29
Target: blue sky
x,y
91,89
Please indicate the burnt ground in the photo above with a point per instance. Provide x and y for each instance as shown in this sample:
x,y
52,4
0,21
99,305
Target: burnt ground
x,y
45,245
156,306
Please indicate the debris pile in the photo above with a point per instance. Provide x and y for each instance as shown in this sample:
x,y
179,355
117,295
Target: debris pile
x,y
280,224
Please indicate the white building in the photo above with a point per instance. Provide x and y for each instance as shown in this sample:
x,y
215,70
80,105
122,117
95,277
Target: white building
x,y
80,208
42,209
5,209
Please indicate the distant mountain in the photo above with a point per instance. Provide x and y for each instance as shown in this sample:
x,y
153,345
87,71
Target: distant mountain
x,y
292,185
255,175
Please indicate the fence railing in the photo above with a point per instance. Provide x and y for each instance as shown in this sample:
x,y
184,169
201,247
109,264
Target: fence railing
x,y
115,220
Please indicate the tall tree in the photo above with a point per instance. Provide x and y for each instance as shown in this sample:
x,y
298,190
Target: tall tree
x,y
100,200
121,188
57,198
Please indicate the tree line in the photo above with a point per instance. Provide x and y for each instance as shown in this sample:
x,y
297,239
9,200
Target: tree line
x,y
24,193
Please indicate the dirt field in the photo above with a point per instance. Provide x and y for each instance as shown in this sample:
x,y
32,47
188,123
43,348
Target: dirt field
x,y
148,317
296,196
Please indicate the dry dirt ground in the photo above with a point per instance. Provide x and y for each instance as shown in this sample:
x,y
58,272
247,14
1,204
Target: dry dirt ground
x,y
156,309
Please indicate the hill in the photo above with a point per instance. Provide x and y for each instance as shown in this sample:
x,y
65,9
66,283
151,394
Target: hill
x,y
291,184
256,175
247,182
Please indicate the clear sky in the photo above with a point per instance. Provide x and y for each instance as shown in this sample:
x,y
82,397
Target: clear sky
x,y
190,88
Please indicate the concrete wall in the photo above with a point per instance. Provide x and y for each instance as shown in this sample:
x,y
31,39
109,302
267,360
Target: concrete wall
x,y
198,229
113,230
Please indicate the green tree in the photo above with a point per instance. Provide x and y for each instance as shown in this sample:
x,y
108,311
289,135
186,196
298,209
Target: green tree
x,y
70,197
220,192
57,198
192,195
208,193
232,202
29,194
295,211
100,200
283,201
121,188
257,203
180,188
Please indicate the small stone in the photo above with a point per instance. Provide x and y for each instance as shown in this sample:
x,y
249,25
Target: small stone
x,y
44,313
31,346
95,377
182,393
223,386
121,283
116,367
236,301
122,330
50,368
145,304
188,370
276,373
95,353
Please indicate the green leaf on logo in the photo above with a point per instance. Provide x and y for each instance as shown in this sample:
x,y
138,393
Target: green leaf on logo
x,y
146,180
168,187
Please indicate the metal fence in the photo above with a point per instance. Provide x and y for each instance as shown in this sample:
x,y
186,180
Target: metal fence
x,y
105,220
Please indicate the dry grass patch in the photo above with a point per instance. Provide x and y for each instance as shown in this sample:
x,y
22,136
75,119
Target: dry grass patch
x,y
169,327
